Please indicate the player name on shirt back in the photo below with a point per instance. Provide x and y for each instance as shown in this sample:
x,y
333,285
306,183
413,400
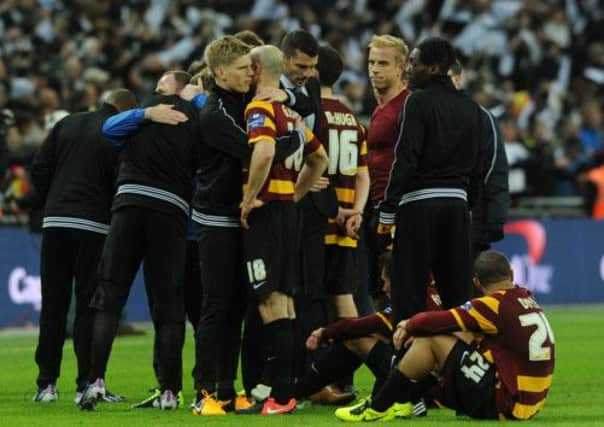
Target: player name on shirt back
x,y
340,119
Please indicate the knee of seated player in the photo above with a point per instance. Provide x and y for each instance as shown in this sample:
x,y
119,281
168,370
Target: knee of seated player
x,y
273,306
435,349
467,337
360,346
345,305
441,346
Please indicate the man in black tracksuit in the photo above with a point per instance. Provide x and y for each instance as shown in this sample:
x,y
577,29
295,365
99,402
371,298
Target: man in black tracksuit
x,y
150,213
216,210
434,180
74,174
490,213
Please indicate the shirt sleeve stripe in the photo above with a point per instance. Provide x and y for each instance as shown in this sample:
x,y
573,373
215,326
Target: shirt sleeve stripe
x,y
485,325
534,384
309,135
269,123
524,412
458,320
384,319
266,107
261,138
491,303
363,148
319,146
345,195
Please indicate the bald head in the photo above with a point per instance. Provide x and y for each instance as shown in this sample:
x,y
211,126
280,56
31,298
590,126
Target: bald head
x,y
270,58
121,99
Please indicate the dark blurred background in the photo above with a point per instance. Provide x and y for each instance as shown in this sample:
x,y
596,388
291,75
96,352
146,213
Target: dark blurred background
x,y
537,65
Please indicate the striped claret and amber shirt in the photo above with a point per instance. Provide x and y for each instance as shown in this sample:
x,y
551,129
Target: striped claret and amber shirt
x,y
344,141
515,336
269,121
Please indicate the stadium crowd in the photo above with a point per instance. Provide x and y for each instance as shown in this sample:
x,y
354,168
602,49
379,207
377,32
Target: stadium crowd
x,y
538,65
516,59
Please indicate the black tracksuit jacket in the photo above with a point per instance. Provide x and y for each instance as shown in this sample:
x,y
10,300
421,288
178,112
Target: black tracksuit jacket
x,y
438,147
223,148
74,172
159,162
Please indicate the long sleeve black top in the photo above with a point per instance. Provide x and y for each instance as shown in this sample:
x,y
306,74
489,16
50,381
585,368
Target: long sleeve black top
x,y
437,151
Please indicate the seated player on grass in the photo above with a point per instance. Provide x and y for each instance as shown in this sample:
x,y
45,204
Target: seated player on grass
x,y
502,371
357,341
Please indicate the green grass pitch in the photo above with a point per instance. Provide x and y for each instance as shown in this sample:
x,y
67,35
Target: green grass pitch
x,y
576,397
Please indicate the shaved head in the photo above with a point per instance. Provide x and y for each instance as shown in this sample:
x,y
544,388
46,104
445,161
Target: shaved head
x,y
270,58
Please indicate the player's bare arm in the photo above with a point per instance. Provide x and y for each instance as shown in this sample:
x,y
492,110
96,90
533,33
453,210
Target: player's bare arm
x,y
260,166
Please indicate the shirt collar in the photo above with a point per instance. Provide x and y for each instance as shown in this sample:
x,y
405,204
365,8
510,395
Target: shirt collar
x,y
439,79
225,94
287,82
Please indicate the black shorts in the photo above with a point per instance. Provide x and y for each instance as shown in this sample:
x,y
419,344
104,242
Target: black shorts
x,y
271,249
469,382
341,275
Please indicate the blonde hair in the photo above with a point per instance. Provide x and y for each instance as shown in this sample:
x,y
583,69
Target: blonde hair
x,y
249,37
270,57
224,51
398,44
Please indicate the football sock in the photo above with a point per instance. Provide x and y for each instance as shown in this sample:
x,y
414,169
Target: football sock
x,y
379,362
252,349
336,363
280,334
399,388
395,388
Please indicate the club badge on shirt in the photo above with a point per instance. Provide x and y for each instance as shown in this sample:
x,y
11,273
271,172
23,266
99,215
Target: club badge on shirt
x,y
256,120
467,306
